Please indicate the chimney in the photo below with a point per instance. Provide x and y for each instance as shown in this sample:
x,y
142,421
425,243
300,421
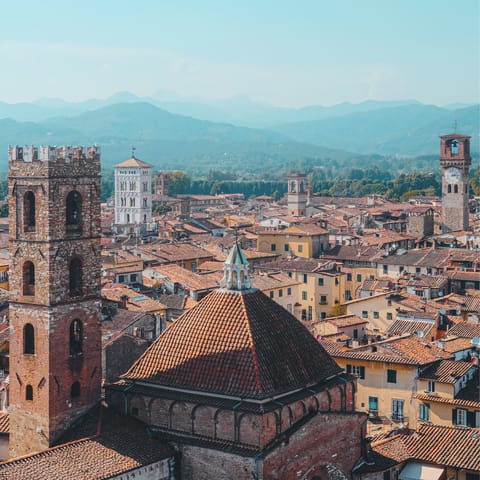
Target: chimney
x,y
123,302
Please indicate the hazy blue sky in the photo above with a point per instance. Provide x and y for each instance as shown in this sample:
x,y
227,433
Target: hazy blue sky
x,y
289,53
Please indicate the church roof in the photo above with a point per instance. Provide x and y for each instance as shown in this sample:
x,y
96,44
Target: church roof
x,y
236,343
133,162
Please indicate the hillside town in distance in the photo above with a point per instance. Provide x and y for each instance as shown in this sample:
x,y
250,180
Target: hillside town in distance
x,y
167,337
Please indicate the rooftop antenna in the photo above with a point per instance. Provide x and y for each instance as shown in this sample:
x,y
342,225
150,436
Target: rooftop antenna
x,y
133,152
455,126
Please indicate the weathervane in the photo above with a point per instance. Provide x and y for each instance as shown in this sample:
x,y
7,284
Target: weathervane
x,y
133,151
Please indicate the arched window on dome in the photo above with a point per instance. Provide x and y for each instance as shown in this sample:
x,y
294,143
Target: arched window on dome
x,y
29,211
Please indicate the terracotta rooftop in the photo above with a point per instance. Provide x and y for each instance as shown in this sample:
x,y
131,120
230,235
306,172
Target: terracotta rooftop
x,y
455,447
117,450
133,162
4,423
446,371
343,321
237,343
465,330
400,327
135,301
406,350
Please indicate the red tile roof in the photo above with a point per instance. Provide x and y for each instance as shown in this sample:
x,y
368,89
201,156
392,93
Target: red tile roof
x,y
235,343
123,448
406,350
455,447
4,423
446,371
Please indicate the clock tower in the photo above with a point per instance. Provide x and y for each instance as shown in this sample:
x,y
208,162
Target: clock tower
x,y
455,162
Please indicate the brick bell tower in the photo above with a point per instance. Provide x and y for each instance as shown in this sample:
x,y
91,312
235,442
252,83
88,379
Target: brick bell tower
x,y
455,162
55,341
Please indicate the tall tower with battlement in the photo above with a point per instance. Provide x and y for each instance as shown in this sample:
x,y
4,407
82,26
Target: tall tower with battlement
x,y
55,341
297,194
455,161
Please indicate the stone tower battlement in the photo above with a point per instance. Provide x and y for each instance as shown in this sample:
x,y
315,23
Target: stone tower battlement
x,y
53,161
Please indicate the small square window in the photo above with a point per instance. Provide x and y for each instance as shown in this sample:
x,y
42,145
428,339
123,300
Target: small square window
x,y
300,248
359,277
273,247
304,295
349,277
289,291
271,294
280,293
376,315
364,314
286,248
391,376
389,316
305,278
323,299
320,282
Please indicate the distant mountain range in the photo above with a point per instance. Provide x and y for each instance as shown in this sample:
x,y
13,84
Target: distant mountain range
x,y
404,130
164,139
191,134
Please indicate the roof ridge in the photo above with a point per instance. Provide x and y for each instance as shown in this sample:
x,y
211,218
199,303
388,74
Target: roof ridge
x,y
258,381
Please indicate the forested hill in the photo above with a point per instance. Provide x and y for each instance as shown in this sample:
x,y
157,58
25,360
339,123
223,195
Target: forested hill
x,y
404,130
166,140
363,135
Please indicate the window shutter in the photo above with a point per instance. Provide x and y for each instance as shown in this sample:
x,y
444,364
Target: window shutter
x,y
362,372
349,369
470,419
454,416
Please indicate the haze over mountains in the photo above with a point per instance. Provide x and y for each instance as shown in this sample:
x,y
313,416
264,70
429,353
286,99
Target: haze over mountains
x,y
189,134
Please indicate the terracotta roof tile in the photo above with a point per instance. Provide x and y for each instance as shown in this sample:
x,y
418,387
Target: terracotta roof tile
x,y
121,449
4,423
455,447
133,162
399,327
235,343
446,371
406,350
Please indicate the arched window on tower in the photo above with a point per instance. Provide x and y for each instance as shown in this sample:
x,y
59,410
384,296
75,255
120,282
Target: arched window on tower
x,y
74,210
455,189
75,277
28,278
76,337
75,390
449,188
28,392
29,211
28,339
454,147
